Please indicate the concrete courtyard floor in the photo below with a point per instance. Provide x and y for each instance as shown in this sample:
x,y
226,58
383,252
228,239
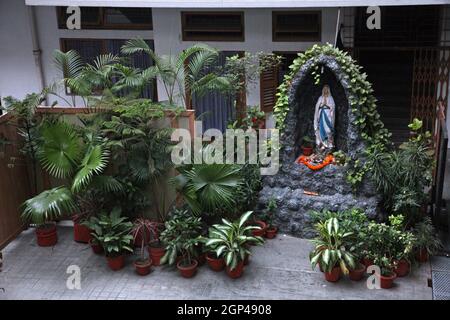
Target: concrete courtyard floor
x,y
278,270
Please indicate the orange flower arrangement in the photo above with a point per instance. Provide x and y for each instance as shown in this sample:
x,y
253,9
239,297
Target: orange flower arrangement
x,y
307,162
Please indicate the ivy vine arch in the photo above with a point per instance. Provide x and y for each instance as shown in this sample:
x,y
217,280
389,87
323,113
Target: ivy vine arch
x,y
362,103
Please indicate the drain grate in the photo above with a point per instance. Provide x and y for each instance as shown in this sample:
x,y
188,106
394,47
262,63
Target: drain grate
x,y
440,274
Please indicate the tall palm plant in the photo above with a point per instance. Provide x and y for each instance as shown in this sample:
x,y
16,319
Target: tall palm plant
x,y
185,73
106,74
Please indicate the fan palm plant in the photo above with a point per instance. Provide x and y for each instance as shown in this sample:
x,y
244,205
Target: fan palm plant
x,y
208,188
189,71
66,153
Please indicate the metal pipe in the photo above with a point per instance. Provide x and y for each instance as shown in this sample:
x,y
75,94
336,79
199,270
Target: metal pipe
x,y
338,23
37,52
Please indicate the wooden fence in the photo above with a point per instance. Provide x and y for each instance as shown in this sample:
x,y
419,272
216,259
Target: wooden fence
x,y
15,185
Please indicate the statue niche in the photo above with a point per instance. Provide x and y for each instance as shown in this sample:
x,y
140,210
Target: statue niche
x,y
300,187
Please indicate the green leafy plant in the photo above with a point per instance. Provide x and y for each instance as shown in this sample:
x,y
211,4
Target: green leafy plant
x,y
330,250
112,232
208,188
268,212
403,175
181,236
388,243
426,237
69,152
186,72
307,142
231,239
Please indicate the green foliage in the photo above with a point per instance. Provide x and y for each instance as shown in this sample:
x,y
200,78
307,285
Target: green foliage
x,y
403,175
269,211
186,72
246,193
48,205
330,247
145,230
140,149
387,243
24,117
231,239
112,232
426,236
208,188
181,236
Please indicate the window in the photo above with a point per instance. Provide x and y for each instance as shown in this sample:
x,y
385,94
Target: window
x,y
89,49
110,18
212,26
270,80
296,26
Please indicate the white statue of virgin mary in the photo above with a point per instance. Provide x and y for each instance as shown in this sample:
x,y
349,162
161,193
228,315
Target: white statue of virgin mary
x,y
324,120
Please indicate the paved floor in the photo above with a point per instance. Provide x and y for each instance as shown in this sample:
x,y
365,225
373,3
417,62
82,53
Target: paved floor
x,y
278,270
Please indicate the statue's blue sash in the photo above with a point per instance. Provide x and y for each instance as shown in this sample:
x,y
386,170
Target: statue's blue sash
x,y
324,120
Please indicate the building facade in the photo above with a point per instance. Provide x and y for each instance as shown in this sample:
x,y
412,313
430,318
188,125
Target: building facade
x,y
399,58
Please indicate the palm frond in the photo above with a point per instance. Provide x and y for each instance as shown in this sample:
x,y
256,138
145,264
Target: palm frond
x,y
48,205
60,148
94,162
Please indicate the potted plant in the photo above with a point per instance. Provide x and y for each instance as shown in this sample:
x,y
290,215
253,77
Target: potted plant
x,y
43,209
387,275
156,248
307,146
330,252
255,118
113,233
426,241
142,228
271,230
230,240
181,237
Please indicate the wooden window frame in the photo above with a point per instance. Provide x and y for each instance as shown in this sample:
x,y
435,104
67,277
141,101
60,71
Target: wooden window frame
x,y
298,38
215,37
102,24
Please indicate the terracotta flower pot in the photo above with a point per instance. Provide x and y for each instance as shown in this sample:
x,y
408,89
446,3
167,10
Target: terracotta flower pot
x,y
156,253
143,268
81,233
236,272
47,235
402,268
386,282
271,232
214,263
334,275
358,273
262,232
187,271
97,248
307,151
116,262
422,255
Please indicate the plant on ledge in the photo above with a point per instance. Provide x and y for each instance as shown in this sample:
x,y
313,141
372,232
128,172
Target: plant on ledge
x,y
113,233
181,236
231,240
330,252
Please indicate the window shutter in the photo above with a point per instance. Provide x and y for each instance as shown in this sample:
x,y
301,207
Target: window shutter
x,y
268,88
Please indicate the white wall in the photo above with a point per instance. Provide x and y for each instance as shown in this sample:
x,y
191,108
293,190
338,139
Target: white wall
x,y
258,37
18,74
